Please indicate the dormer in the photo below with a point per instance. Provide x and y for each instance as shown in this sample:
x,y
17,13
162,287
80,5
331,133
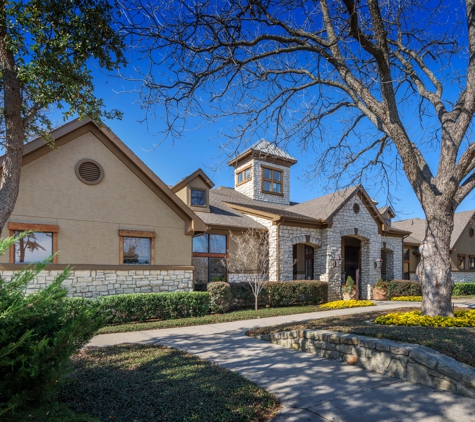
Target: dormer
x,y
388,214
262,173
194,191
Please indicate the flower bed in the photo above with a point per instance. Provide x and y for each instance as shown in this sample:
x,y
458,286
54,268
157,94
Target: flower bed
x,y
461,318
342,304
408,298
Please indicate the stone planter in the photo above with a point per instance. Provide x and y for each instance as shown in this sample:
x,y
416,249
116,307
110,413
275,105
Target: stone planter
x,y
380,294
348,295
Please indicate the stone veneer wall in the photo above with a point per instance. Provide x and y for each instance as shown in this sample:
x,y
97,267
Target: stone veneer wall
x,y
93,283
410,362
393,248
252,188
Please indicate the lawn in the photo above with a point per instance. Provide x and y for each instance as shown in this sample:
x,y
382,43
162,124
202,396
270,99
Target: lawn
x,y
210,319
458,343
147,383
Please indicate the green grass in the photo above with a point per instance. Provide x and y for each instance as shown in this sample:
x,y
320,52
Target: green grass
x,y
153,383
458,343
209,319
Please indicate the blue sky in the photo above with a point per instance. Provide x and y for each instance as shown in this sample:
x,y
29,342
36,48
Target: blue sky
x,y
199,148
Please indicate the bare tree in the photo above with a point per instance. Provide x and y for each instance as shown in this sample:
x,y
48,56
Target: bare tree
x,y
400,74
251,259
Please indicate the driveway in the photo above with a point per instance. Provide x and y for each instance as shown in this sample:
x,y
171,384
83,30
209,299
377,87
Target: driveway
x,y
310,388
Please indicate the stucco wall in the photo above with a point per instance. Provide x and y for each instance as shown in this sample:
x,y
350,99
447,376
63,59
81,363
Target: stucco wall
x,y
184,193
89,216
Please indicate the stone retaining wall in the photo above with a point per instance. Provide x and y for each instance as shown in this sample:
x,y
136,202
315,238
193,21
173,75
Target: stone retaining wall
x,y
93,283
409,362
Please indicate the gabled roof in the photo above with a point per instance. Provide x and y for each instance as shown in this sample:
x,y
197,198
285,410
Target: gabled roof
x,y
382,210
418,227
198,173
264,149
74,129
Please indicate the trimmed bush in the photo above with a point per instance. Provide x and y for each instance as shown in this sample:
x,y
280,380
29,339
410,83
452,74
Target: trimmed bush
x,y
159,306
461,318
403,288
464,289
280,294
220,296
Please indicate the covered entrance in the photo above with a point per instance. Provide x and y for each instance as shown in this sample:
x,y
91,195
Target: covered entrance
x,y
351,254
303,262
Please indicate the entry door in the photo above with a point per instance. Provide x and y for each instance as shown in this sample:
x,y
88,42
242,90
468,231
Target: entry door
x,y
309,260
352,261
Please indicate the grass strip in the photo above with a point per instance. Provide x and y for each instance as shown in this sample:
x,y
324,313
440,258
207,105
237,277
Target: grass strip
x,y
154,383
209,319
458,343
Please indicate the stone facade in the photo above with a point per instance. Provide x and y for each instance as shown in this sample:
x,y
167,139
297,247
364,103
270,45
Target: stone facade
x,y
410,362
253,188
93,283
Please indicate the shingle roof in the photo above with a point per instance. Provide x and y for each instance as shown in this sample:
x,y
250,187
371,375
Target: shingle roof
x,y
418,227
283,212
269,148
323,207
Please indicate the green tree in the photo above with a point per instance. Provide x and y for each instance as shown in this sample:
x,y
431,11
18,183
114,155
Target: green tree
x,y
38,334
47,48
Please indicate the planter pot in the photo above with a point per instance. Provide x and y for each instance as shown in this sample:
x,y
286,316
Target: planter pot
x,y
380,294
349,296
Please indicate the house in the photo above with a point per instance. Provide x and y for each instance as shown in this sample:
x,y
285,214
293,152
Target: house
x,y
118,225
327,238
462,246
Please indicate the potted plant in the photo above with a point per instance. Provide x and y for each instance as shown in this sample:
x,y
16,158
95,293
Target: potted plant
x,y
349,289
380,290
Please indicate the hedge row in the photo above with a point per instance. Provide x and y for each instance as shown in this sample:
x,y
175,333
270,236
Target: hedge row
x,y
279,294
119,309
413,288
403,288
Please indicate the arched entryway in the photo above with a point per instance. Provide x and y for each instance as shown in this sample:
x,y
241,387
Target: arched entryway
x,y
351,259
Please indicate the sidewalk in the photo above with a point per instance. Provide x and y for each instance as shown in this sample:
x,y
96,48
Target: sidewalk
x,y
310,388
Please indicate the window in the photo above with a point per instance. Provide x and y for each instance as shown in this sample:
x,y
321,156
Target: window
x,y
271,181
471,262
136,247
209,259
406,264
243,176
36,246
198,197
461,262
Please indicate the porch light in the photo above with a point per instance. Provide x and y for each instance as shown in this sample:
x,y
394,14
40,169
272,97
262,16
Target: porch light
x,y
378,263
337,260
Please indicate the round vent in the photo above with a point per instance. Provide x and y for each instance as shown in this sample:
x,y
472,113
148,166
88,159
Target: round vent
x,y
471,231
356,208
89,172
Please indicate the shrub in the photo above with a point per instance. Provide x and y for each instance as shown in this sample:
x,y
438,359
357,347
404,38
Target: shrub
x,y
403,288
349,286
380,284
220,296
279,294
342,304
462,318
160,306
408,298
38,334
464,289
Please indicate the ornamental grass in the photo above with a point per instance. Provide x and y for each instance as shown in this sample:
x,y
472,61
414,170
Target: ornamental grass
x,y
461,318
408,298
343,304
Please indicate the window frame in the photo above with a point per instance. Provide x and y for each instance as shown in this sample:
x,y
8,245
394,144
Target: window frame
x,y
471,258
460,259
271,180
136,233
38,228
209,255
243,171
190,191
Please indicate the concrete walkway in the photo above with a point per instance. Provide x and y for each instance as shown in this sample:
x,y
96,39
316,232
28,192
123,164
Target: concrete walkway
x,y
310,388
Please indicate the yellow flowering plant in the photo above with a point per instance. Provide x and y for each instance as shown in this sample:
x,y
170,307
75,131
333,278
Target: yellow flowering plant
x,y
461,318
342,304
408,298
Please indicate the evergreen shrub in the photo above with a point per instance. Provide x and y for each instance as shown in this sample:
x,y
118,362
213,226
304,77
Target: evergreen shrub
x,y
220,297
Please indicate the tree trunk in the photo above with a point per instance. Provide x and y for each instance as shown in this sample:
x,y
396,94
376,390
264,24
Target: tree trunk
x,y
14,130
434,270
255,302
